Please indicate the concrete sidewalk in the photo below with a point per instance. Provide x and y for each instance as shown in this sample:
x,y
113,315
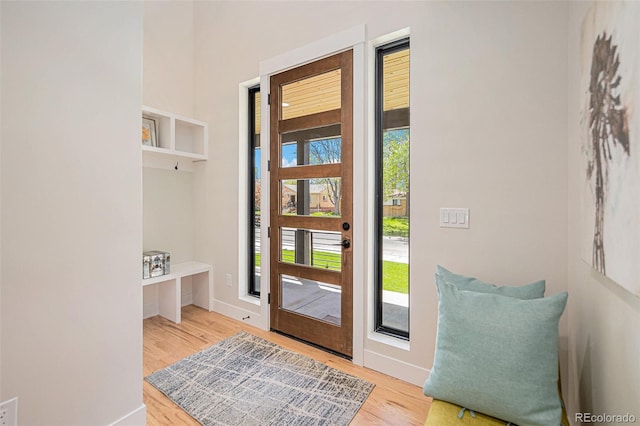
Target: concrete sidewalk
x,y
322,301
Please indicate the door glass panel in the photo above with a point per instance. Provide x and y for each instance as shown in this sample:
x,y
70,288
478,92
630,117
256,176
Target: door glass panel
x,y
311,95
318,249
320,145
312,298
311,197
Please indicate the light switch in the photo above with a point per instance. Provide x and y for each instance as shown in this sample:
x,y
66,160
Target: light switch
x,y
454,217
461,218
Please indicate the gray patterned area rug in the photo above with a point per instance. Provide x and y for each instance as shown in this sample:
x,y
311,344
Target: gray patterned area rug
x,y
246,380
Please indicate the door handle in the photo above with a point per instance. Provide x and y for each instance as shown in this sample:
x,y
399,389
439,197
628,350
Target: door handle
x,y
344,243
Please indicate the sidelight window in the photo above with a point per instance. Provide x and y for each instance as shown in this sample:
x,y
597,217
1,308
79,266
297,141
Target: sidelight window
x,y
255,192
392,188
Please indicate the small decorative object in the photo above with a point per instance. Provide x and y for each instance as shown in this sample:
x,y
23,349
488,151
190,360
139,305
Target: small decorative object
x,y
146,266
166,264
149,136
155,263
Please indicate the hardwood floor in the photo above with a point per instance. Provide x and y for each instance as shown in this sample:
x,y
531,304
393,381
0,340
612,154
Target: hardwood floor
x,y
392,401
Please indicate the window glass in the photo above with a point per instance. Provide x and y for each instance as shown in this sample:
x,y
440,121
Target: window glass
x,y
312,95
322,145
392,187
255,192
311,197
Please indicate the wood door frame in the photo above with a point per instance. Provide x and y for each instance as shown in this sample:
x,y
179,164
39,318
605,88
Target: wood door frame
x,y
339,339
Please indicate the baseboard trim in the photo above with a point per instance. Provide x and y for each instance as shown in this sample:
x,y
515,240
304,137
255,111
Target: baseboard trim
x,y
137,417
395,368
239,314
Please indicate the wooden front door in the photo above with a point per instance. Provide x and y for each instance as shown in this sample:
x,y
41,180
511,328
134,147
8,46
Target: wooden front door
x,y
311,202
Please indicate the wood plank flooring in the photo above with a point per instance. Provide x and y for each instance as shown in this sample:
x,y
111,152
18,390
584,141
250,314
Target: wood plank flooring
x,y
392,402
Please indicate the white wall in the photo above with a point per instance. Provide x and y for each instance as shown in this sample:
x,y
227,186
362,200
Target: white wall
x,y
1,280
71,211
489,119
168,85
604,319
168,212
168,82
167,223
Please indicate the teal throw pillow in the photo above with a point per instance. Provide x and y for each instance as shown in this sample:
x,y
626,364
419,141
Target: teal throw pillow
x,y
498,355
531,291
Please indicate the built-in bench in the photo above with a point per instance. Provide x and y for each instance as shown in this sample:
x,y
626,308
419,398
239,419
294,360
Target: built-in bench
x,y
170,288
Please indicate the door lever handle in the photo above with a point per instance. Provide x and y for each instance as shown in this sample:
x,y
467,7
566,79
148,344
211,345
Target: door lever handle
x,y
344,243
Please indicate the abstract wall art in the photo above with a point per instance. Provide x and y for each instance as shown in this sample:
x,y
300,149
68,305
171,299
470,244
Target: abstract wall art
x,y
610,138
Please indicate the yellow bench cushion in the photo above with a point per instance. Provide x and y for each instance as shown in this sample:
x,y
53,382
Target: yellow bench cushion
x,y
444,413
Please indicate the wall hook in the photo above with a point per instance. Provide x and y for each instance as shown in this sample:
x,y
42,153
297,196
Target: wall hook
x,y
176,167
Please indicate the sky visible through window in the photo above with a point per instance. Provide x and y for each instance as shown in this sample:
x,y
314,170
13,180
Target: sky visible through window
x,y
288,156
289,151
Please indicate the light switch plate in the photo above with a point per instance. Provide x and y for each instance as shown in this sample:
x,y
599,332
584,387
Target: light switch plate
x,y
454,217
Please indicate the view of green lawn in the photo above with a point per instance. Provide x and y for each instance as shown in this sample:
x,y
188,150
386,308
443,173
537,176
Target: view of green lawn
x,y
395,227
395,275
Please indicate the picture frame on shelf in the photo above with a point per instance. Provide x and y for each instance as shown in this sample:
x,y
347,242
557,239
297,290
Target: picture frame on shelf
x,y
149,132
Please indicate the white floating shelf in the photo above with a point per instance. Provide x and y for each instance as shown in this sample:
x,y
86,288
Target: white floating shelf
x,y
180,141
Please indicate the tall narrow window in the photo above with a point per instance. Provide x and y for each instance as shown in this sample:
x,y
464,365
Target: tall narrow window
x,y
392,188
254,192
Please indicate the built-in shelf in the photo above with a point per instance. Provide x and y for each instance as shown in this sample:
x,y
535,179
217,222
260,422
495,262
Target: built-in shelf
x,y
170,288
180,141
174,153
